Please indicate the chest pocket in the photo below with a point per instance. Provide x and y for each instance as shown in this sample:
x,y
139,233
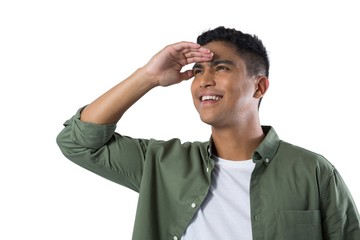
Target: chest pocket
x,y
299,225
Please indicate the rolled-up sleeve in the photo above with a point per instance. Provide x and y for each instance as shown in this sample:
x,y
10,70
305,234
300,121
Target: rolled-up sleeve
x,y
99,149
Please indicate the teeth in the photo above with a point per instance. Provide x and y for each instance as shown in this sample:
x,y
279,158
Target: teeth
x,y
216,98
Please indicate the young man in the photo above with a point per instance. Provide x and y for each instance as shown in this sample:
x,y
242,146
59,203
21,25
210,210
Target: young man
x,y
244,183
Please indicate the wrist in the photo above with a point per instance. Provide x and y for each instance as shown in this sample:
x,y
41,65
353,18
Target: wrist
x,y
150,79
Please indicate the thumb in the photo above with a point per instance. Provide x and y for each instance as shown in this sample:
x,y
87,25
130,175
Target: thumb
x,y
186,75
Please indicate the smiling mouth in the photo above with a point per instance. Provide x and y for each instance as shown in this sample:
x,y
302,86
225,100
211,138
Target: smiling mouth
x,y
210,98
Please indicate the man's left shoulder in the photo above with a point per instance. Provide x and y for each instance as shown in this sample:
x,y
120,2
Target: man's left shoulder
x,y
300,155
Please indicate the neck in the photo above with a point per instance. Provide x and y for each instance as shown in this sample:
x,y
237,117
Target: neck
x,y
237,143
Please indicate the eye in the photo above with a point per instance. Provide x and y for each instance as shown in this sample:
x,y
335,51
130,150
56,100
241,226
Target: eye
x,y
221,68
197,71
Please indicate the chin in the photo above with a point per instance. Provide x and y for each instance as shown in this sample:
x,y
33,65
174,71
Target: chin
x,y
205,120
208,121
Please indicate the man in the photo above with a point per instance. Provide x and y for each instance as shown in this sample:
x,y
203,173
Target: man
x,y
244,183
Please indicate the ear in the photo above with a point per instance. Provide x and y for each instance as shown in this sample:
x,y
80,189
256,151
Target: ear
x,y
261,87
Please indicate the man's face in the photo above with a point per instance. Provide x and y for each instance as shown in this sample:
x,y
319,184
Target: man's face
x,y
222,92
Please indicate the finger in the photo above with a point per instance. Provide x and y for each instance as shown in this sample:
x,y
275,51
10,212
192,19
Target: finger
x,y
189,47
180,46
197,54
186,75
192,57
200,50
192,52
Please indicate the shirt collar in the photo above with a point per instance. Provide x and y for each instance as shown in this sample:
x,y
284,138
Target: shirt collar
x,y
265,152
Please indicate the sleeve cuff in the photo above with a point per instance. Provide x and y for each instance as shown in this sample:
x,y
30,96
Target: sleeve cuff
x,y
89,135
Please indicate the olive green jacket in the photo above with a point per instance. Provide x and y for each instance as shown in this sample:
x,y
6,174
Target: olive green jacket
x,y
294,193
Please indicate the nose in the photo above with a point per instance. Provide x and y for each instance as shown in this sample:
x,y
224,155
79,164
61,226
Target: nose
x,y
207,80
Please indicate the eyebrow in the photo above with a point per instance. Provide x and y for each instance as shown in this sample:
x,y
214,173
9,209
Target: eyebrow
x,y
214,63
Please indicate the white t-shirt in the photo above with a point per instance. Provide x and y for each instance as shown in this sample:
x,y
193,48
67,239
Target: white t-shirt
x,y
225,212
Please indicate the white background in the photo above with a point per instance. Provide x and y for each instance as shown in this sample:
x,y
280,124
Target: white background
x,y
56,56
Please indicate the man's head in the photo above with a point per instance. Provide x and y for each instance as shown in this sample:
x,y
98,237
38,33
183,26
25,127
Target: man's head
x,y
228,89
250,47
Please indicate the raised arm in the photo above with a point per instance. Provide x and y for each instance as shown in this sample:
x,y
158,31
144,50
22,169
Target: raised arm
x,y
163,69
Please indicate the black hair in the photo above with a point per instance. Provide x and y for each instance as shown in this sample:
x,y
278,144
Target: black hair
x,y
250,48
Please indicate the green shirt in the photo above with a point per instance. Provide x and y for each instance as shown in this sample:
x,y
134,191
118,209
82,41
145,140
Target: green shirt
x,y
294,193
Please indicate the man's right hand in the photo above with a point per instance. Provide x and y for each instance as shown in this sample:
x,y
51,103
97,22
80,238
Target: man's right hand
x,y
164,68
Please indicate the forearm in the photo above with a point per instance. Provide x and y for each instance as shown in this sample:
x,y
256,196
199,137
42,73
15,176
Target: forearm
x,y
110,106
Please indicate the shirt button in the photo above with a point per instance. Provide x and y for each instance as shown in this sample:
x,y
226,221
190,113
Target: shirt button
x,y
193,205
175,238
267,160
257,217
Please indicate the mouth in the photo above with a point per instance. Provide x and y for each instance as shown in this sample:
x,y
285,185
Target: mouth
x,y
206,98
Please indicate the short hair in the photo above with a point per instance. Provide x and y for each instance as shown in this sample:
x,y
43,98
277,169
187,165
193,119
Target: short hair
x,y
250,48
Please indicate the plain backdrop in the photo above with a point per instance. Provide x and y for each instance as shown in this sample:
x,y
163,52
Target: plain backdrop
x,y
56,56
